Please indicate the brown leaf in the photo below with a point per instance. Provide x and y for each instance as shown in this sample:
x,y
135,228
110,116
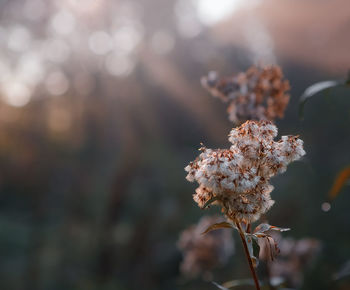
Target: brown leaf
x,y
262,228
339,182
223,225
209,202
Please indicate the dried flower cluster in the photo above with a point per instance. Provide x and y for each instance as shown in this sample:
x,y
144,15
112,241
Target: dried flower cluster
x,y
238,178
204,252
294,256
257,94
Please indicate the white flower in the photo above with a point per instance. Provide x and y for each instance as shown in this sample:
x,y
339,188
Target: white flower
x,y
239,177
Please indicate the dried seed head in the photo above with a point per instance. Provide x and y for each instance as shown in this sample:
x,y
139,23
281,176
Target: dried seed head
x,y
259,93
204,252
293,257
239,177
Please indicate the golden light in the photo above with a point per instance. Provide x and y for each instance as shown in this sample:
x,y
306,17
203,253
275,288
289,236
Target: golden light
x,y
213,11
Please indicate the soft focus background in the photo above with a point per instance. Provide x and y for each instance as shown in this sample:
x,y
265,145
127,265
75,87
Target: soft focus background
x,y
101,108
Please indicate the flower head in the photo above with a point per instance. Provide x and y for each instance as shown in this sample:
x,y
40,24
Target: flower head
x,y
238,178
257,94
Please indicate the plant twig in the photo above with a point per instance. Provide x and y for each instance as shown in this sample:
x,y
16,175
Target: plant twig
x,y
245,246
249,228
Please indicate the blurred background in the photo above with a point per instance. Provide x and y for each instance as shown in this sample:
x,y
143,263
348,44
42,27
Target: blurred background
x,y
101,108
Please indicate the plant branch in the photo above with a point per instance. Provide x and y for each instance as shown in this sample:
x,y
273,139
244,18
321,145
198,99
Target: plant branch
x,y
245,246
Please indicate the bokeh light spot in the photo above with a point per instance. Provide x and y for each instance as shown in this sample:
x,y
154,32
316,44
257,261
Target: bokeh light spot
x,y
100,42
30,69
63,22
326,206
187,23
213,11
16,93
57,83
119,65
127,38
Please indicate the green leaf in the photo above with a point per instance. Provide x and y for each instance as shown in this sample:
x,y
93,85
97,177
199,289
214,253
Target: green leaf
x,y
256,247
223,225
315,89
262,228
209,202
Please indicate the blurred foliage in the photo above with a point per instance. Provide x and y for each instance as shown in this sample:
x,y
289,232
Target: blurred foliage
x,y
340,181
320,87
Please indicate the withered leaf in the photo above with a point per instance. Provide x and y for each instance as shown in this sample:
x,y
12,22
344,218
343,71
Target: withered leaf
x,y
209,202
217,226
262,228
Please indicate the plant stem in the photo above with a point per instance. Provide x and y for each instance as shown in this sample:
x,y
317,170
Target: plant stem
x,y
249,228
245,246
